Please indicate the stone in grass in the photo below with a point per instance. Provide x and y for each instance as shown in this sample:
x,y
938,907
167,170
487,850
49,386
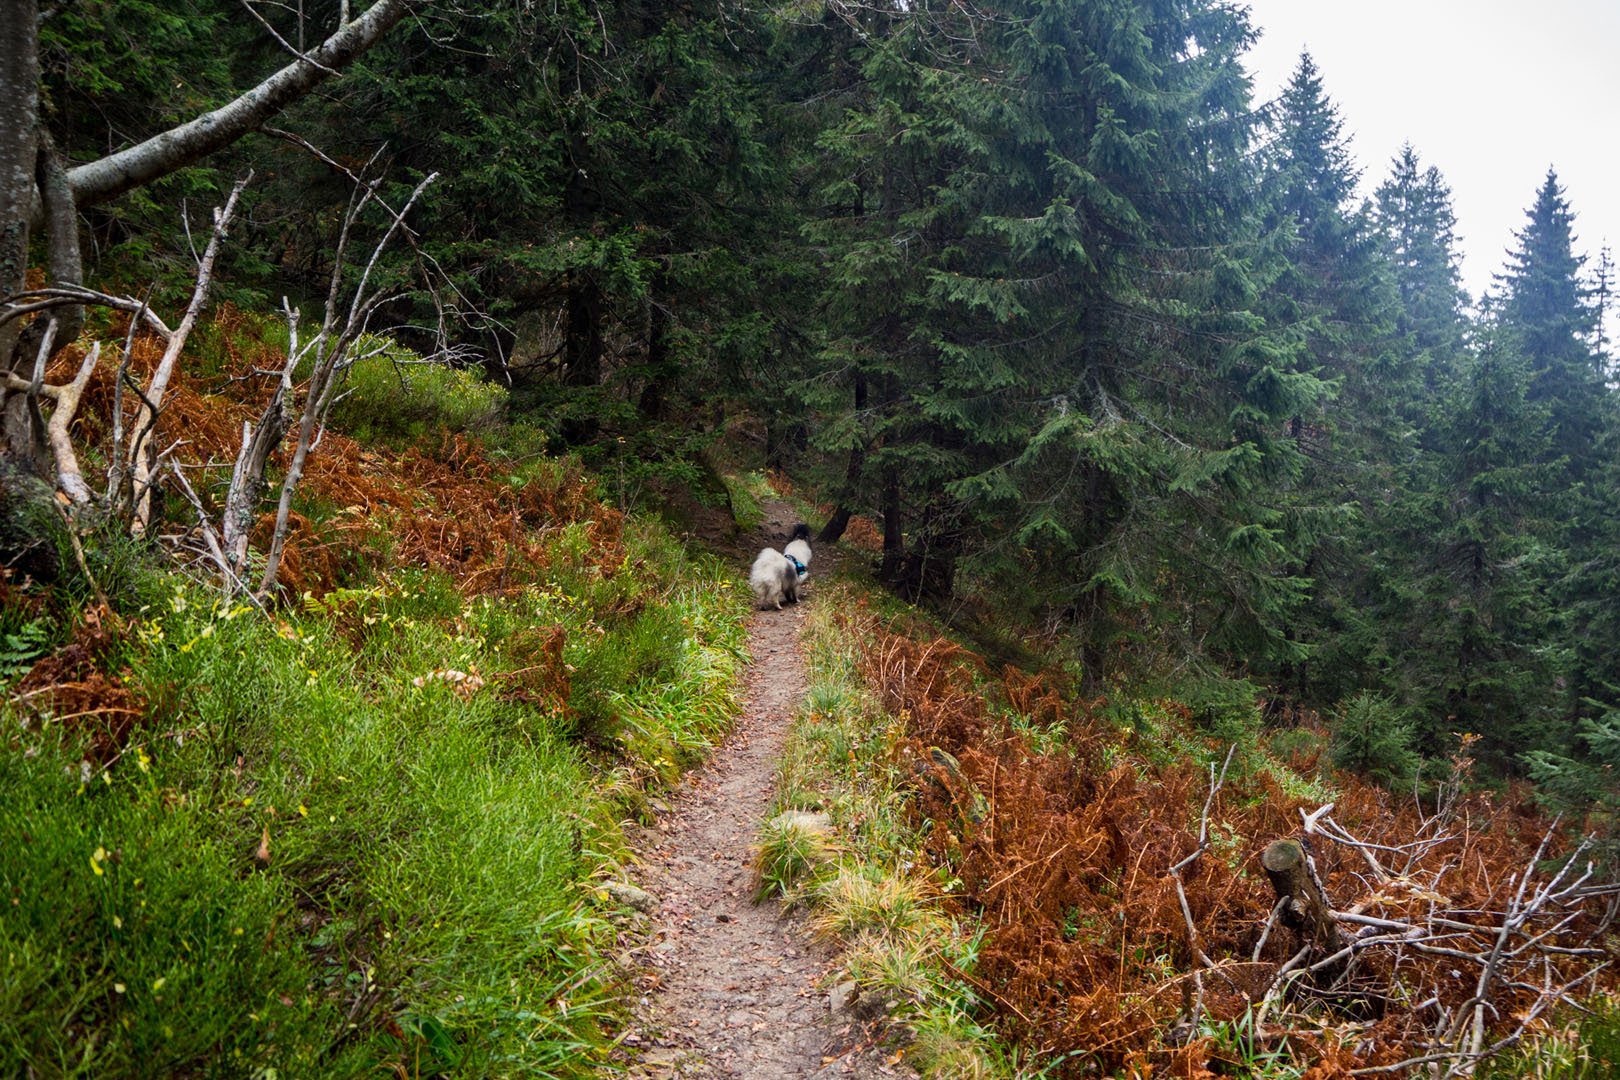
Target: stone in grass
x,y
631,897
842,996
804,820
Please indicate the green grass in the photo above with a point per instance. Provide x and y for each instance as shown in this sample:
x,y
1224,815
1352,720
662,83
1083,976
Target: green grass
x,y
747,492
423,907
1581,1048
903,944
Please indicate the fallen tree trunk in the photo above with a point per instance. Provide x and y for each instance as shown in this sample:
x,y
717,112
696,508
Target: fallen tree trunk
x,y
111,176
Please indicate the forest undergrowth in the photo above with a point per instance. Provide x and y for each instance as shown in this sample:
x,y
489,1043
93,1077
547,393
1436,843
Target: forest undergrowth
x,y
1006,875
361,832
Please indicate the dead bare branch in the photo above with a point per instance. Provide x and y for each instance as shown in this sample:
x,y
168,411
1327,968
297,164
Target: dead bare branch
x,y
285,44
68,476
332,354
1215,783
25,303
178,147
152,401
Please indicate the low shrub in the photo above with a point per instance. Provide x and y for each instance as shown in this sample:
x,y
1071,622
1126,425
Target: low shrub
x,y
393,395
1373,736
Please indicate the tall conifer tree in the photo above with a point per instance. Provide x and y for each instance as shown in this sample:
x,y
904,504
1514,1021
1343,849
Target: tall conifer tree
x,y
1417,224
1336,297
1494,643
1547,310
1381,613
1045,259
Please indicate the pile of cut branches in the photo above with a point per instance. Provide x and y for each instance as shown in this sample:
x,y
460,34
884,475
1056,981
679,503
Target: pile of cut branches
x,y
1132,923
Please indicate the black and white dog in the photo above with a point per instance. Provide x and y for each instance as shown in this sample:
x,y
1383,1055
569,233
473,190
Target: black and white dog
x,y
777,575
798,550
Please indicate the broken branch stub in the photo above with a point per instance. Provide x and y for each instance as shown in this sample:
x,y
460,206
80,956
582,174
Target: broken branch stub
x,y
1307,910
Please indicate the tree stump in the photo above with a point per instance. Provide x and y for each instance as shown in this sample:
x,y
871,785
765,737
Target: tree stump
x,y
1307,912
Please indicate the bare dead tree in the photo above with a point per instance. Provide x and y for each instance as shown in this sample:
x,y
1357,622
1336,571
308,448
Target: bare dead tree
x,y
68,475
39,192
1204,962
340,341
332,350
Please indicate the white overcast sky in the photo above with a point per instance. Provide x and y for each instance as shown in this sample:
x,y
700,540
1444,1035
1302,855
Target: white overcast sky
x,y
1491,92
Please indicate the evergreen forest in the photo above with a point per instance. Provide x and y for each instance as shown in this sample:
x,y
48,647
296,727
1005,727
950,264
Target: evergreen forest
x,y
357,352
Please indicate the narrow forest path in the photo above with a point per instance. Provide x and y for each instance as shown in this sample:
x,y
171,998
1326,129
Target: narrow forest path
x,y
727,988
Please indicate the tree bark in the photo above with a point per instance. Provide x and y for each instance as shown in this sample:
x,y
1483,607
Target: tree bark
x,y
248,484
833,530
19,111
64,264
835,526
661,370
582,353
19,147
178,147
894,541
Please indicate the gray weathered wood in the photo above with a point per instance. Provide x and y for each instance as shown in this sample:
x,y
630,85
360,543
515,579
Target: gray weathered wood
x,y
111,176
1307,911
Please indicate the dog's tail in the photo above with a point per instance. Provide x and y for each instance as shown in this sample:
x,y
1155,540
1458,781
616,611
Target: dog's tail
x,y
801,531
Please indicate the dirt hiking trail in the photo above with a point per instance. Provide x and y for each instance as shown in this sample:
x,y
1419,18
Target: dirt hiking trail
x,y
726,988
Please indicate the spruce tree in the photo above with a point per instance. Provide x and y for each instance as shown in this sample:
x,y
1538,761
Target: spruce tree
x,y
1315,173
1584,784
1381,614
1491,642
1417,225
1590,587
1547,310
1045,278
882,160
609,197
1335,296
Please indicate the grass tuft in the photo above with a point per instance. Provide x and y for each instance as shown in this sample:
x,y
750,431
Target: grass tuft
x,y
864,900
793,848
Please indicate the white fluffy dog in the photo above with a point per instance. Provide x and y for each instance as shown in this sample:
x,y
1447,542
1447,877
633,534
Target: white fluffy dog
x,y
777,575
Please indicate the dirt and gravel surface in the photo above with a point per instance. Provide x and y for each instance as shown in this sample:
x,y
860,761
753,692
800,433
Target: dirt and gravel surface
x,y
727,988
